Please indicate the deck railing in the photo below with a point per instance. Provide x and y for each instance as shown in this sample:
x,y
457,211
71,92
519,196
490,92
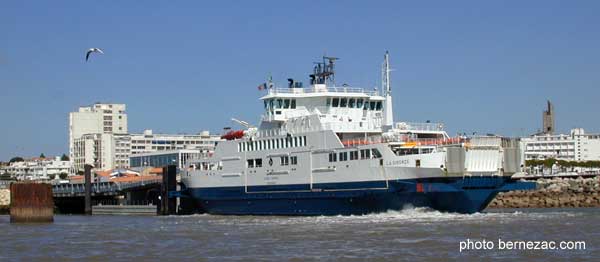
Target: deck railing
x,y
408,142
334,89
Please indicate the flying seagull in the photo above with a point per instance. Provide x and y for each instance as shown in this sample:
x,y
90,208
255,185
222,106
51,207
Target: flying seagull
x,y
92,50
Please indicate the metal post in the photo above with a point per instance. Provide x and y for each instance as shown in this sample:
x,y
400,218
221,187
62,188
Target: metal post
x,y
168,206
88,189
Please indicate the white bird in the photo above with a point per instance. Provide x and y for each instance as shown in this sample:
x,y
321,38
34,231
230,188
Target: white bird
x,y
92,50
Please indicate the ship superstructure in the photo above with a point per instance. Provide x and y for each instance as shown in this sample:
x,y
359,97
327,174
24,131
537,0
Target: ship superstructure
x,y
326,149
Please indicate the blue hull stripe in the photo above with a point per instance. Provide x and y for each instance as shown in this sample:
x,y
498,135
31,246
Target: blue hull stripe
x,y
461,195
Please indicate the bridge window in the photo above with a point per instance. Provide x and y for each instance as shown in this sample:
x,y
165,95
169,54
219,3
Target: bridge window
x,y
353,155
365,153
359,103
286,103
375,153
332,157
285,160
328,102
293,105
335,102
372,105
258,162
294,160
279,104
351,103
343,102
343,156
378,107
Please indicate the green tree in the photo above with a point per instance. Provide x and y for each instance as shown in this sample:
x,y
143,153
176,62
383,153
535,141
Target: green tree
x,y
63,175
64,158
42,155
16,159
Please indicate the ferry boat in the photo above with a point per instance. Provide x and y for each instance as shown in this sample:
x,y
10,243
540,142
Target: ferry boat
x,y
335,150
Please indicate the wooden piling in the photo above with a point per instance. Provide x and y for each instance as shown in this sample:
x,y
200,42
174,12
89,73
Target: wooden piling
x,y
87,174
31,203
168,206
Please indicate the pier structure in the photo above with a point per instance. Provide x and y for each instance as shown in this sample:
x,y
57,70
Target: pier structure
x,y
70,198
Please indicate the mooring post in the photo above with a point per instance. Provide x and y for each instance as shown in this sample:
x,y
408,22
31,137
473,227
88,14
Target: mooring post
x,y
168,206
31,202
88,189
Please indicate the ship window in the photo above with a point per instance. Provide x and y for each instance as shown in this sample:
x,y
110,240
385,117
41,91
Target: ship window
x,y
258,162
343,102
359,103
282,143
418,163
304,141
372,105
353,155
351,103
365,153
378,105
343,156
328,102
332,157
286,103
295,141
335,102
294,160
285,160
375,153
279,103
277,143
293,106
250,163
266,104
271,104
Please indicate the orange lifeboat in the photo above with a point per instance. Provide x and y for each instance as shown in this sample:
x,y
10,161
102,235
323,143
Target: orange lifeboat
x,y
233,134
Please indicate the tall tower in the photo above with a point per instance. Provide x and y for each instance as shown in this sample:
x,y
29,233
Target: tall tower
x,y
388,113
548,119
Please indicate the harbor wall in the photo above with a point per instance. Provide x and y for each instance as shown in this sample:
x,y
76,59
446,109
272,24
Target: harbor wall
x,y
555,192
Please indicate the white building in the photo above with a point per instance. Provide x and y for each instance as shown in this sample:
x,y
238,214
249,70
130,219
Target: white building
x,y
96,119
148,142
98,136
104,151
38,168
577,146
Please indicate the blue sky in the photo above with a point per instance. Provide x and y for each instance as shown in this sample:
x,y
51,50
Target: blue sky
x,y
186,66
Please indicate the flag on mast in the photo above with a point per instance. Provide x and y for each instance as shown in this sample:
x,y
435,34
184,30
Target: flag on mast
x,y
262,86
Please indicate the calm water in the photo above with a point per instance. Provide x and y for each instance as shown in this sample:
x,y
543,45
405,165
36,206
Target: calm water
x,y
415,234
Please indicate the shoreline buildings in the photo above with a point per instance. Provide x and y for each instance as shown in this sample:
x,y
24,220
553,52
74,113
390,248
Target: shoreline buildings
x,y
98,135
575,146
37,168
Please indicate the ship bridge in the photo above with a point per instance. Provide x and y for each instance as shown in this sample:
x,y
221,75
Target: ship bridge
x,y
341,109
323,106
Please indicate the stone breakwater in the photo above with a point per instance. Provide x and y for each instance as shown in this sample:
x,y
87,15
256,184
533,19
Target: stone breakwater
x,y
555,192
